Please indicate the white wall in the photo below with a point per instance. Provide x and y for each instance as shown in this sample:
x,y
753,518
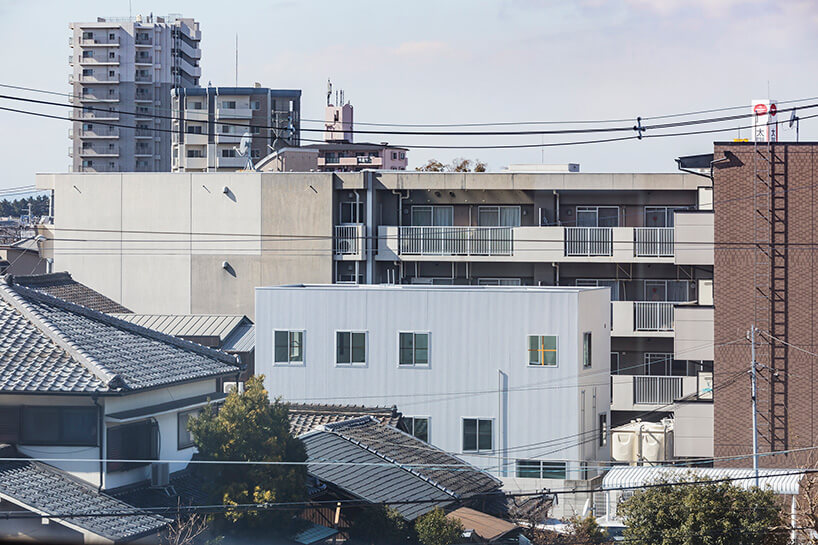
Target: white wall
x,y
475,335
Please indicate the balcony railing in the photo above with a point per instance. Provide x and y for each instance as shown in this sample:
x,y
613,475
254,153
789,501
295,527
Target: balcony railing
x,y
588,241
348,239
653,316
648,390
143,77
364,159
455,240
653,241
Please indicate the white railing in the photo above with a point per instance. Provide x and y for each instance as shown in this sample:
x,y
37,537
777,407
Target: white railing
x,y
649,390
653,316
455,240
588,241
653,241
348,239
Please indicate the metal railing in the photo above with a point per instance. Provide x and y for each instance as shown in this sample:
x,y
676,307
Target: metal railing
x,y
653,241
348,239
427,240
653,316
588,241
143,77
648,390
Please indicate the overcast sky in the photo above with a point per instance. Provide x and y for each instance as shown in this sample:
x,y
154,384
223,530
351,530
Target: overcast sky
x,y
448,61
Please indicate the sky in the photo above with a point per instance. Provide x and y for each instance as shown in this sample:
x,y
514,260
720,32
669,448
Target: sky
x,y
455,61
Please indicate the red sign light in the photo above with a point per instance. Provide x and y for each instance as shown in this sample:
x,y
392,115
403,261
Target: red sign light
x,y
773,109
761,109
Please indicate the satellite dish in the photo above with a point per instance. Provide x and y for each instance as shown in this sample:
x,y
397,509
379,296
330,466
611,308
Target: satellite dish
x,y
795,120
244,151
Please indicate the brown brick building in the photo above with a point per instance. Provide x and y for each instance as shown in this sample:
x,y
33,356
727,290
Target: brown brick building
x,y
766,203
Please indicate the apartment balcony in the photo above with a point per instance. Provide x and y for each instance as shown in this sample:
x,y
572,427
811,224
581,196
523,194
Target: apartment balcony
x,y
196,115
142,133
103,77
194,139
642,318
189,68
230,162
99,168
143,60
143,78
103,41
233,113
143,40
143,98
95,115
104,151
357,161
349,242
195,163
227,138
651,393
143,152
187,49
101,133
93,61
89,97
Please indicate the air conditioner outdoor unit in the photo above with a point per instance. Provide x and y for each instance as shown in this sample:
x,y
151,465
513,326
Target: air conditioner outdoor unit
x,y
344,246
160,474
228,387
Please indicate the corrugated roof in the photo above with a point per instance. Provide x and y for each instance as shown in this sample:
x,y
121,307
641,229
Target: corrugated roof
x,y
484,525
242,339
53,345
781,481
189,325
44,489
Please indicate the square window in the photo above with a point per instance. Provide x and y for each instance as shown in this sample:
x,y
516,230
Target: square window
x,y
418,427
542,350
413,348
528,469
289,347
350,347
586,349
184,439
477,435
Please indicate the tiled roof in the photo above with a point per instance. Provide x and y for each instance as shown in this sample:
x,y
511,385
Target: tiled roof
x,y
308,416
51,345
186,485
63,286
392,466
44,489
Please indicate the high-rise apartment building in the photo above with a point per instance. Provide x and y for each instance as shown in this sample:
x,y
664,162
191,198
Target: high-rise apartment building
x,y
209,122
123,70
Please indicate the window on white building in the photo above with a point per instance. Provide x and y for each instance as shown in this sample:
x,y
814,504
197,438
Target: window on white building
x,y
184,439
587,359
350,347
418,427
498,216
413,348
540,469
542,350
597,216
289,347
229,104
477,434
499,282
432,215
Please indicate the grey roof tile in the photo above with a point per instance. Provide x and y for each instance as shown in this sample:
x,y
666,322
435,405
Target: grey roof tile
x,y
45,489
63,286
305,417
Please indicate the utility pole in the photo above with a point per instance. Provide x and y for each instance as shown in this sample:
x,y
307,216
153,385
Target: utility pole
x,y
754,398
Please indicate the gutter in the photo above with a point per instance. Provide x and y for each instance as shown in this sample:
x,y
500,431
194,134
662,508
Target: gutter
x,y
100,432
712,164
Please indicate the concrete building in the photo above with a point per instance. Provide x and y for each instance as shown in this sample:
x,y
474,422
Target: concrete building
x,y
765,277
470,366
209,123
123,70
200,243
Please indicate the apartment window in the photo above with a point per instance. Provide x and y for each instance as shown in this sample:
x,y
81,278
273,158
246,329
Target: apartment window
x,y
111,165
667,290
112,36
595,282
111,73
352,212
255,130
432,215
184,439
87,145
499,282
256,154
350,347
540,469
87,71
76,426
139,441
402,155
111,92
603,430
347,272
87,35
87,163
226,129
228,153
255,105
111,55
289,347
193,153
193,129
418,427
498,216
587,359
394,155
330,158
614,363
229,104
660,216
88,126
89,53
413,348
542,350
597,216
477,434
658,363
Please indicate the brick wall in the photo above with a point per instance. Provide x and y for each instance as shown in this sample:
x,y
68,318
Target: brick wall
x,y
741,297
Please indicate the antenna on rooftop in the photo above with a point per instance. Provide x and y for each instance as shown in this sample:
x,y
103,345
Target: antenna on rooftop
x,y
237,59
329,92
244,151
795,120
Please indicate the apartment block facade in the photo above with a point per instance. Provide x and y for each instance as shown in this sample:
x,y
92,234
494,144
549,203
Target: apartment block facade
x,y
468,366
765,276
208,125
123,70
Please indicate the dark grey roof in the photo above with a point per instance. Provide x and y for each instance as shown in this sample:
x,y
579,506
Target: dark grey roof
x,y
186,484
426,459
55,346
44,489
242,339
63,286
400,467
305,417
352,146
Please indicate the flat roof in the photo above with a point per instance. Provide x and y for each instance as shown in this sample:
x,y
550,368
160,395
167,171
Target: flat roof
x,y
426,287
202,91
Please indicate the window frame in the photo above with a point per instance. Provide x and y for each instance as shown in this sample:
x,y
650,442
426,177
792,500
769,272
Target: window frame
x,y
587,209
289,362
411,431
602,422
365,363
478,420
542,350
498,208
552,465
155,447
179,415
587,350
414,364
60,411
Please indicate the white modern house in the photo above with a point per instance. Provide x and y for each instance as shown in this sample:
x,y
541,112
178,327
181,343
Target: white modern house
x,y
512,379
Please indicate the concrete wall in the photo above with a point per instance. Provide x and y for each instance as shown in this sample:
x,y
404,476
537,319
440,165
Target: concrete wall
x,y
477,348
693,429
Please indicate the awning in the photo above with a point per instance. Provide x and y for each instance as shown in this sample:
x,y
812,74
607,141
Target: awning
x,y
170,406
780,481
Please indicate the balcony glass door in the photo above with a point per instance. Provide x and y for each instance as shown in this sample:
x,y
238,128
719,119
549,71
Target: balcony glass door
x,y
498,216
597,216
432,216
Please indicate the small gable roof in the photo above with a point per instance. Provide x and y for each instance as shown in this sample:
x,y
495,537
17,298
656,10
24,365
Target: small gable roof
x,y
61,285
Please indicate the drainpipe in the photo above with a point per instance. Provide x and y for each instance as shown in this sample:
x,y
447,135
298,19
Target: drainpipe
x,y
100,434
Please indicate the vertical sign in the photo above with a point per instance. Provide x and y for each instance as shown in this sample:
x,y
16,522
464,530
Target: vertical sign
x,y
765,121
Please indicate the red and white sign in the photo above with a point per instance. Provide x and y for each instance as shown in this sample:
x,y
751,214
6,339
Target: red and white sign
x,y
765,125
760,109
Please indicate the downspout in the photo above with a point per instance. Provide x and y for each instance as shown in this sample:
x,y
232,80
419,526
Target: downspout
x,y
100,429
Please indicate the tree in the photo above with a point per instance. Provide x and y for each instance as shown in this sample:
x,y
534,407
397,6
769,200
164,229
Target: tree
x,y
435,528
186,529
249,427
695,513
581,531
379,525
457,165
432,165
